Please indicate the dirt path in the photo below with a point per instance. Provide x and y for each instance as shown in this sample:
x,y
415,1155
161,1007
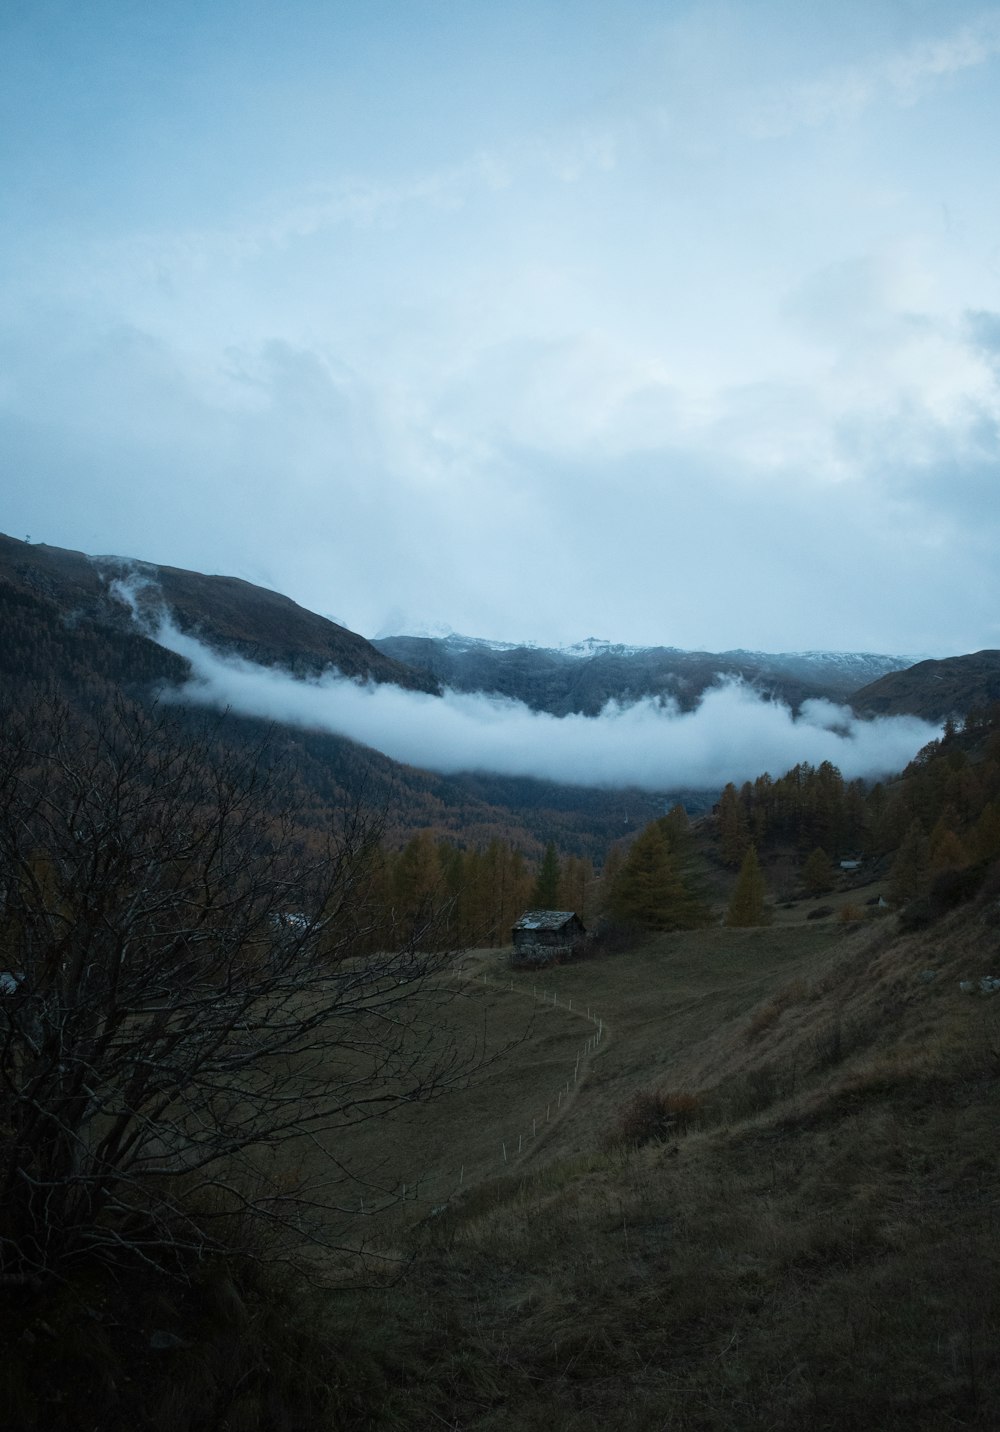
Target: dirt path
x,y
529,1143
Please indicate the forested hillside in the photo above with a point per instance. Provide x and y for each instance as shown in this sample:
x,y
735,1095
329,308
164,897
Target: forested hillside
x,y
258,1012
66,632
584,679
46,589
935,689
473,843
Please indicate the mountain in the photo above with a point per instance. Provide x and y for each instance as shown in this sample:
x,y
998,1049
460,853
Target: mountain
x,y
68,626
78,593
65,629
77,599
585,677
934,689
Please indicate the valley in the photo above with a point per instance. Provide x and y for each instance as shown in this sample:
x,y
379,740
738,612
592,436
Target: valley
x,y
500,716
713,1172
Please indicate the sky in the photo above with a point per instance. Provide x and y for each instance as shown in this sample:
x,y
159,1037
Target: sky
x,y
661,321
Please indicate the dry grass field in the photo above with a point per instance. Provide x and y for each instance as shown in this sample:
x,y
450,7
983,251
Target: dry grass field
x,y
815,1244
797,1226
419,1155
561,1050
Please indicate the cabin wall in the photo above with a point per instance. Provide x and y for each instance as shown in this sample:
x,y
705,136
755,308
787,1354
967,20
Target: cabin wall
x,y
541,947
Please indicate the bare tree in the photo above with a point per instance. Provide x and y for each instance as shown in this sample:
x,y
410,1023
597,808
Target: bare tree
x,y
182,994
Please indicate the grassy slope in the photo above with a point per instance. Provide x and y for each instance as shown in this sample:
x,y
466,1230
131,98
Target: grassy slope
x,y
821,1252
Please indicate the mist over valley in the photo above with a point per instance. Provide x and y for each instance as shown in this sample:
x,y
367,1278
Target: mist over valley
x,y
657,720
500,716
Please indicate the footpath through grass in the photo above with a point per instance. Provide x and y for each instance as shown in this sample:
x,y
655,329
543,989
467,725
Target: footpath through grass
x,y
821,1248
815,1245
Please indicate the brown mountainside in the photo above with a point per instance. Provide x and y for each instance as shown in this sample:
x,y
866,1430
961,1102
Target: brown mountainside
x,y
63,629
226,612
934,689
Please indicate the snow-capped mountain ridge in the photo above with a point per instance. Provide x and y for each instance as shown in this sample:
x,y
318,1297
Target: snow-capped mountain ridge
x,y
585,676
600,646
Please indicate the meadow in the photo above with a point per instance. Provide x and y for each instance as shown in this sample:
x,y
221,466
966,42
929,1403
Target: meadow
x,y
764,1199
808,1239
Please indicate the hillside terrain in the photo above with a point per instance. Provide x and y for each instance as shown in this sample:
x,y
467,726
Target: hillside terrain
x,y
732,1165
68,630
65,630
586,677
934,690
795,1226
64,617
769,1203
58,588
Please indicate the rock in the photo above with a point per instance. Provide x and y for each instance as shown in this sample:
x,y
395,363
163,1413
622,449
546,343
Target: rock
x,y
987,984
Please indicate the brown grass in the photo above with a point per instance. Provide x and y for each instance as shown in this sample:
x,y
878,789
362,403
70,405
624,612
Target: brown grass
x,y
826,1255
818,1251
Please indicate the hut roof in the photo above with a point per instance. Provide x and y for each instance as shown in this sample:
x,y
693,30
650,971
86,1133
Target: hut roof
x,y
545,919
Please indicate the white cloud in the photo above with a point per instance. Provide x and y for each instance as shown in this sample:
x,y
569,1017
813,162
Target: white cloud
x,y
558,371
733,735
843,94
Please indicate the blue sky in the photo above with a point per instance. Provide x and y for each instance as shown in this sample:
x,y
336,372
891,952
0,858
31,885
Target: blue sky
x,y
664,322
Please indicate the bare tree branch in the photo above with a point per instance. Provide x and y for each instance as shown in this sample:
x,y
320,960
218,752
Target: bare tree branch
x,y
188,981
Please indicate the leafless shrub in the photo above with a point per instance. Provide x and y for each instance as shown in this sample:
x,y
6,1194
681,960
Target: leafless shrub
x,y
764,1017
186,997
653,1115
850,914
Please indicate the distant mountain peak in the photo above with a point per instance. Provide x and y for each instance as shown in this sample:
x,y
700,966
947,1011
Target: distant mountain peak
x,y
584,677
597,646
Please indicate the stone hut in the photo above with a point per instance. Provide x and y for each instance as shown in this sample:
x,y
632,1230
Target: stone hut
x,y
541,936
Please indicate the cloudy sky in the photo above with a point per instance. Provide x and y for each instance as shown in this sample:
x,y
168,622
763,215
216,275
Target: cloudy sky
x,y
664,321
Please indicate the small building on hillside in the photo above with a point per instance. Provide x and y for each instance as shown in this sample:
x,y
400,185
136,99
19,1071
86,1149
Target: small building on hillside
x,y
541,936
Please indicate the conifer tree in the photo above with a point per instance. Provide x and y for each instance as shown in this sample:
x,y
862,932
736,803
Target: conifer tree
x,y
677,826
747,904
946,851
762,806
890,820
733,837
517,887
647,890
826,806
986,833
576,881
854,815
908,875
818,874
417,882
509,886
545,895
610,870
473,901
